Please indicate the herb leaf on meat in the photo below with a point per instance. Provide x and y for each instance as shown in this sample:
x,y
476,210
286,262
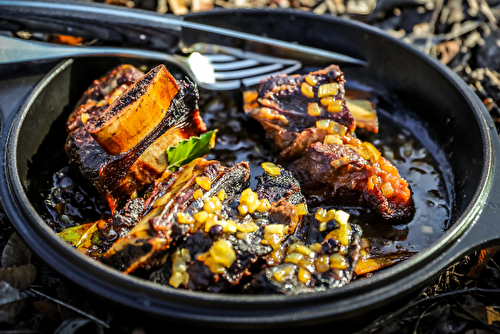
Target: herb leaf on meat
x,y
189,149
81,235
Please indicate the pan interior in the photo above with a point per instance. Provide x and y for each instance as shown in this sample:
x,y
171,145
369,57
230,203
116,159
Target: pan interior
x,y
444,127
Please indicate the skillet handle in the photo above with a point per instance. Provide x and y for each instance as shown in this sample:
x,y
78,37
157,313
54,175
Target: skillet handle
x,y
91,20
485,230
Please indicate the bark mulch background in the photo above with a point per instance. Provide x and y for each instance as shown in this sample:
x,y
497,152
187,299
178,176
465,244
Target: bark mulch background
x,y
462,34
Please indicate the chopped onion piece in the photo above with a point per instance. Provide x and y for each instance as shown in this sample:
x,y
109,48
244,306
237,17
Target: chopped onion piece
x,y
333,139
387,189
335,128
323,124
271,168
329,89
313,109
327,100
311,80
335,106
204,182
307,90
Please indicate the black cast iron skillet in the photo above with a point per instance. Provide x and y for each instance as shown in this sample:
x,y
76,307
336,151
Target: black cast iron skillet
x,y
456,119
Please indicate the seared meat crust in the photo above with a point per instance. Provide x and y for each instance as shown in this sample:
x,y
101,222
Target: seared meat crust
x,y
160,226
249,250
282,106
322,264
200,227
299,116
338,173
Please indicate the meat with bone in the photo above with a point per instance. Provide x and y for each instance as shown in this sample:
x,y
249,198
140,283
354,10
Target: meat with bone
x,y
200,227
118,143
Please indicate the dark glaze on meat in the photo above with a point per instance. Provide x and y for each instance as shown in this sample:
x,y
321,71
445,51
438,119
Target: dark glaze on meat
x,y
284,278
343,170
159,227
339,173
281,105
251,251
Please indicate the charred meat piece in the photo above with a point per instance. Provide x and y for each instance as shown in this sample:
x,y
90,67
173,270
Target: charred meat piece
x,y
322,256
238,238
287,106
276,187
127,217
170,218
312,129
351,171
119,144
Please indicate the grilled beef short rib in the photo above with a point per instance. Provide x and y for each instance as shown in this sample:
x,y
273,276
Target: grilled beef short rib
x,y
116,144
349,172
313,131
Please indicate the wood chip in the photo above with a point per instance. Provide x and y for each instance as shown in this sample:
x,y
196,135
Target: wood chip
x,y
308,3
224,4
321,8
492,315
485,9
331,7
448,51
202,5
421,30
123,3
339,4
473,5
360,7
397,33
162,7
178,7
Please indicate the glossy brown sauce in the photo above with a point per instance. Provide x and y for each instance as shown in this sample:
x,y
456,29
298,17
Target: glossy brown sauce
x,y
69,202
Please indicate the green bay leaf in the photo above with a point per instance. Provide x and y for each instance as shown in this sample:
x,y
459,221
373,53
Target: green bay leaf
x,y
80,235
189,149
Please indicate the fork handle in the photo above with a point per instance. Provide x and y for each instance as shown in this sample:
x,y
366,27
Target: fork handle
x,y
105,17
104,22
15,50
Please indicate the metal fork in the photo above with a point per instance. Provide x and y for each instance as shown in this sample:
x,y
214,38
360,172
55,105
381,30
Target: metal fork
x,y
218,68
